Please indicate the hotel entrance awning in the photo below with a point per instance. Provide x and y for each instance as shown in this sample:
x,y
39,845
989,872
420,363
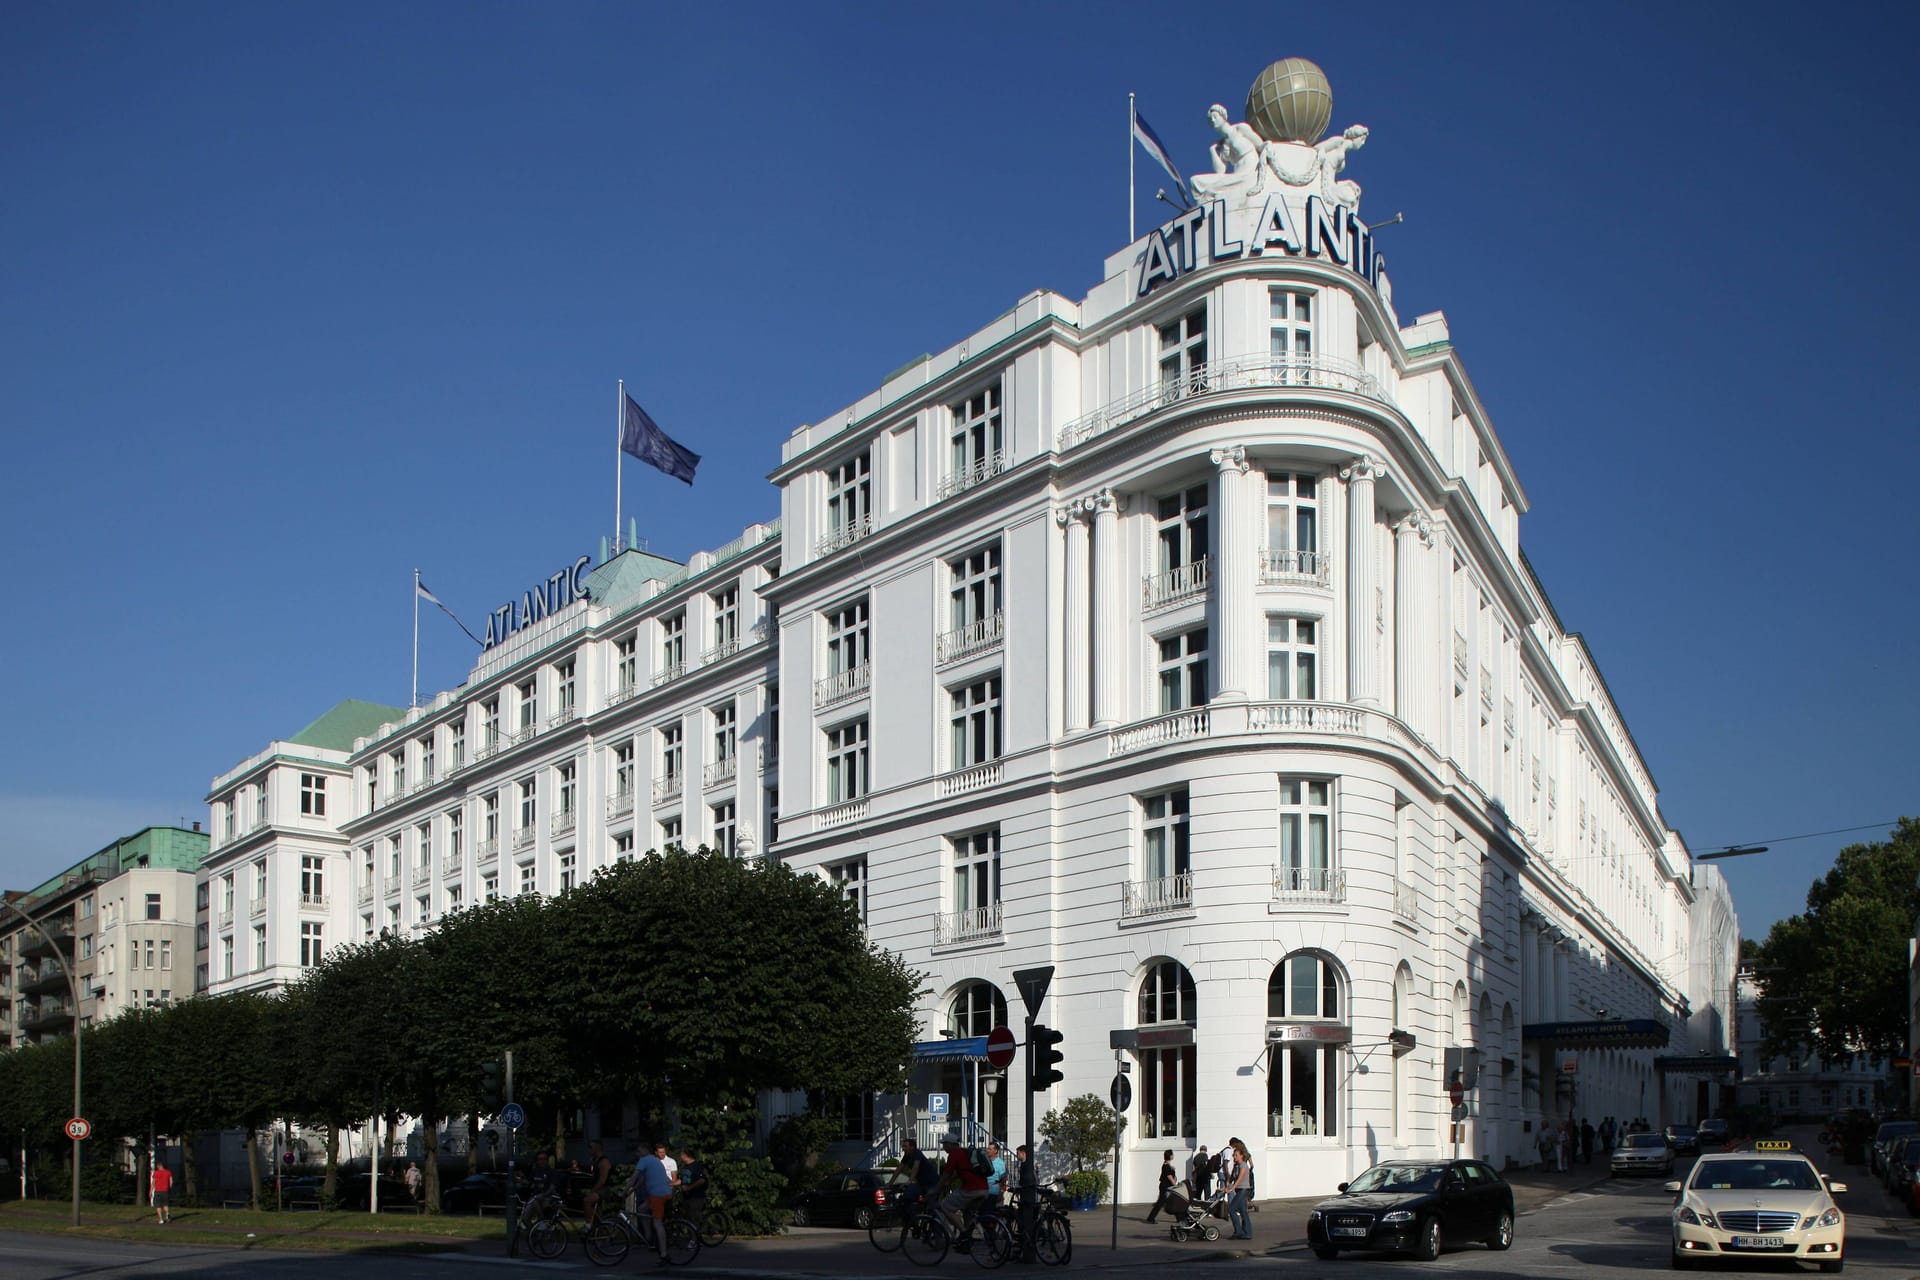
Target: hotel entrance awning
x,y
1613,1033
960,1049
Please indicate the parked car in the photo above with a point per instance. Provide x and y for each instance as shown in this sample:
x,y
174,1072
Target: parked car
x,y
1883,1141
1711,1135
1901,1161
354,1192
1684,1139
302,1192
843,1200
1642,1153
1417,1207
472,1193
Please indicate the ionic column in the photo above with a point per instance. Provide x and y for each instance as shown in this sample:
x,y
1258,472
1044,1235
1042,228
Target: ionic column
x,y
1073,519
1363,609
1233,576
1109,609
1409,620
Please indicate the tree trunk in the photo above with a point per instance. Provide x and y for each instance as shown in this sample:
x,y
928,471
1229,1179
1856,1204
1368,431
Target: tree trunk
x,y
253,1168
473,1143
330,1180
142,1177
189,1170
430,1164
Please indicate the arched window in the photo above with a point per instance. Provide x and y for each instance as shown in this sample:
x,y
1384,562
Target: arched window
x,y
1303,1069
977,1008
1167,1075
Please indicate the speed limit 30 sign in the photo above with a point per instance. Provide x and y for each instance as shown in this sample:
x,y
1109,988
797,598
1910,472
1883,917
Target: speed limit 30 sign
x,y
78,1128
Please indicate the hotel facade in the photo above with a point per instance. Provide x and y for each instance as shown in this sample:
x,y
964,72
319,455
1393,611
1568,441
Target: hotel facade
x,y
1177,637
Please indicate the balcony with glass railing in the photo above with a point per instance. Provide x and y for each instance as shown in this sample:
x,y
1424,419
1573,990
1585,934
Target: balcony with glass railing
x,y
841,685
1174,586
977,473
1156,895
970,925
1309,884
982,635
1246,373
1281,567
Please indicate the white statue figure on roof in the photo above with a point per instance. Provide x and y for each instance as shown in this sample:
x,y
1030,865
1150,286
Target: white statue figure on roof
x,y
1239,166
1242,161
1332,158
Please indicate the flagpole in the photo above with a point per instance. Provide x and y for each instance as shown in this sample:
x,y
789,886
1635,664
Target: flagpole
x,y
619,415
1132,116
414,698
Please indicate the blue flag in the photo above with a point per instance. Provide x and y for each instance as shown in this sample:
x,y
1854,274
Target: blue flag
x,y
642,437
1144,134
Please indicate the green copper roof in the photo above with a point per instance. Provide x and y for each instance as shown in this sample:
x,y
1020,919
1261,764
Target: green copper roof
x,y
336,730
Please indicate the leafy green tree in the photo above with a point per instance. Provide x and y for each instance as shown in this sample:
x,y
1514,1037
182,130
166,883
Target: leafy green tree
x,y
1835,977
1083,1131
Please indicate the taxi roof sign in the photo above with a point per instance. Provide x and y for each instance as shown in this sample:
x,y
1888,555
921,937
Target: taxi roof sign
x,y
1772,1144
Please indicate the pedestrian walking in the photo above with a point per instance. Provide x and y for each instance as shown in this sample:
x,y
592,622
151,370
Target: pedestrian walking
x,y
1200,1173
1239,1191
1606,1137
1560,1136
413,1179
162,1193
1167,1180
1586,1141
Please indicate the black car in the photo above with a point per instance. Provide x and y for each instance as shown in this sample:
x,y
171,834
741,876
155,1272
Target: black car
x,y
1902,1161
1684,1139
1415,1206
1711,1135
472,1194
394,1195
843,1200
1885,1138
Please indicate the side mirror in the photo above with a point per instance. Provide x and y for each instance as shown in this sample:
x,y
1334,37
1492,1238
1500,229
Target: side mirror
x,y
1672,1188
1836,1187
1342,1188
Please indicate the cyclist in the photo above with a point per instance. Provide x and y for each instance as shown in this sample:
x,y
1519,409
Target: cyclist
x,y
693,1186
916,1173
651,1182
965,1188
602,1170
546,1185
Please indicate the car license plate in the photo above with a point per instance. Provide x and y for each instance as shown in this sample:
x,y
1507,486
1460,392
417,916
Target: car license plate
x,y
1759,1242
1350,1231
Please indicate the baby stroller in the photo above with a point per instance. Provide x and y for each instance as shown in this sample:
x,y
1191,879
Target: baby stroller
x,y
1190,1216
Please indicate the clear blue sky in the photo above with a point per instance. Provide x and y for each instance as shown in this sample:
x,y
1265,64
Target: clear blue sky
x,y
301,296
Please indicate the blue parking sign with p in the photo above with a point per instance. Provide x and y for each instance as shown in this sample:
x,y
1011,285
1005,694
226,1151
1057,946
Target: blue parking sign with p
x,y
937,1105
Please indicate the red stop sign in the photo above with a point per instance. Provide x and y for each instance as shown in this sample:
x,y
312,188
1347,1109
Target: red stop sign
x,y
1000,1046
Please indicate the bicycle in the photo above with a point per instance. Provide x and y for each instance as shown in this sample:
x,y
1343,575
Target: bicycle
x,y
927,1237
609,1240
1052,1229
711,1218
894,1209
546,1225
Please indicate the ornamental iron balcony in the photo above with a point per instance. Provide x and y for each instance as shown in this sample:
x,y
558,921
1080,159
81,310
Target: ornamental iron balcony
x,y
362,895
565,715
1460,655
525,733
1156,896
562,822
459,761
620,803
1192,723
962,781
1247,373
976,474
670,672
842,685
1486,690
1281,567
1319,717
258,908
667,788
622,691
450,866
966,926
1406,902
717,772
1309,884
982,635
487,850
844,536
523,837
721,652
489,746
1171,587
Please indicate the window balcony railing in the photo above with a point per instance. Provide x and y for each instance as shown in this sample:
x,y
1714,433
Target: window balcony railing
x,y
459,760
1406,902
978,473
844,536
565,715
982,635
1309,884
842,685
487,850
526,733
1294,568
1160,894
523,837
314,901
620,803
450,865
489,746
622,691
258,907
1506,715
670,672
562,822
1243,374
1460,655
1192,723
666,788
1319,717
1172,586
363,895
717,772
966,926
851,811
721,652
961,781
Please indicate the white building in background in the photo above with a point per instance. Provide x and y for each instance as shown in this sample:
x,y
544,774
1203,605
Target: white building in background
x,y
1177,637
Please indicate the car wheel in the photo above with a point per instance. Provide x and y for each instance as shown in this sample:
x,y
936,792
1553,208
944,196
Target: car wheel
x,y
1429,1246
1681,1262
1502,1237
800,1217
1325,1252
863,1217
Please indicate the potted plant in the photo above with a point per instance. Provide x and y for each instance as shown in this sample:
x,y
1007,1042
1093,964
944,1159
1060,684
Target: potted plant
x,y
1087,1187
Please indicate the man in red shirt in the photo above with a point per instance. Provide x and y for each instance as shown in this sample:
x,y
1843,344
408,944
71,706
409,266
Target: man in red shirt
x,y
162,1186
965,1187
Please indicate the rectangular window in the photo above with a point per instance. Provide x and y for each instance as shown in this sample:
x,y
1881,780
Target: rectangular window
x,y
527,699
166,954
428,764
726,740
773,815
849,501
1290,326
453,898
529,797
1183,355
150,950
313,795
669,832
311,943
847,638
976,870
623,772
153,899
202,937
489,821
313,881
673,645
974,723
423,845
490,888
1293,524
563,690
490,725
671,752
724,822
259,882
563,797
1183,671
423,908
623,846
457,745
529,878
977,450
851,879
393,917
626,663
226,957
1181,528
259,948
86,907
1306,835
1292,658
973,606
260,805
1167,845
397,772
726,623
456,826
847,762
201,893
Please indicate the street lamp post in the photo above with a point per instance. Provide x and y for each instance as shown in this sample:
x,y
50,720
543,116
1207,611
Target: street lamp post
x,y
73,994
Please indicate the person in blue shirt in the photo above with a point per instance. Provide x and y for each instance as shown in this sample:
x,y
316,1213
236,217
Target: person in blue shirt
x,y
654,1184
997,1180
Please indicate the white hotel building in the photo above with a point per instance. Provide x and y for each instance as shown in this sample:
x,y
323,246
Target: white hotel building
x,y
1178,637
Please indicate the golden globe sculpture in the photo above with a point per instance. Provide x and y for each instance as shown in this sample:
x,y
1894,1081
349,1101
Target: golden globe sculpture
x,y
1290,101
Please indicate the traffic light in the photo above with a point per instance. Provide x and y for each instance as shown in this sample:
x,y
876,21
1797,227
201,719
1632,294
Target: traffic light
x,y
1043,1058
491,1096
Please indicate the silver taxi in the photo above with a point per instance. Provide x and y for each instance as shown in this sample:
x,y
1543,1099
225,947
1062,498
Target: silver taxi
x,y
1764,1202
